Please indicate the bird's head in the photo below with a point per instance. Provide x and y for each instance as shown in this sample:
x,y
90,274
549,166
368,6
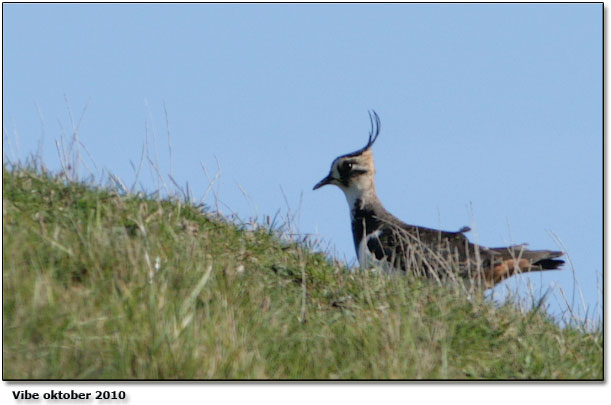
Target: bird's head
x,y
354,172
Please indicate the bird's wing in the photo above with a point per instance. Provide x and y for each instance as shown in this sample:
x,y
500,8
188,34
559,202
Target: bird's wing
x,y
435,253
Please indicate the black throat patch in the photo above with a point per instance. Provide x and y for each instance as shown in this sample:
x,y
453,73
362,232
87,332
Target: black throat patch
x,y
365,222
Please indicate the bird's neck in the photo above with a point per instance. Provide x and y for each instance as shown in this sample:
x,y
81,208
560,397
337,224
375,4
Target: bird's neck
x,y
362,201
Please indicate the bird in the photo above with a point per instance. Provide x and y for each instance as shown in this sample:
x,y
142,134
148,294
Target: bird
x,y
382,240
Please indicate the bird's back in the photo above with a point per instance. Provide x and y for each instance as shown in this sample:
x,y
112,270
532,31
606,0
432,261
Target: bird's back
x,y
440,254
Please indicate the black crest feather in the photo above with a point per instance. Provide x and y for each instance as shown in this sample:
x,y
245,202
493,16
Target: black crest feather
x,y
374,132
375,128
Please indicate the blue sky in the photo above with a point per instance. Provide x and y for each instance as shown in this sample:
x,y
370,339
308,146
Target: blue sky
x,y
491,114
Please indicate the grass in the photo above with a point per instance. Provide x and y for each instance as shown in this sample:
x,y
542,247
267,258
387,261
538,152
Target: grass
x,y
98,285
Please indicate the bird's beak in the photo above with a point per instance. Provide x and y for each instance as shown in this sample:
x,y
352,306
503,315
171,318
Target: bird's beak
x,y
327,180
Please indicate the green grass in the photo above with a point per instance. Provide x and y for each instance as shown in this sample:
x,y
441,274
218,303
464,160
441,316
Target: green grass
x,y
102,286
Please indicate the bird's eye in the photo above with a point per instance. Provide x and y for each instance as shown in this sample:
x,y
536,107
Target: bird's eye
x,y
348,166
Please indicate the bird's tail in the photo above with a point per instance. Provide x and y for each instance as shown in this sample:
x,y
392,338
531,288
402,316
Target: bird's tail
x,y
517,259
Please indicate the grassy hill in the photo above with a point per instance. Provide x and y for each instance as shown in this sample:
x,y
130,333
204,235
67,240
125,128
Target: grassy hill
x,y
98,285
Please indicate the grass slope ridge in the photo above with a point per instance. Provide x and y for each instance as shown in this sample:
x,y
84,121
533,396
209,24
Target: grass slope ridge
x,y
102,286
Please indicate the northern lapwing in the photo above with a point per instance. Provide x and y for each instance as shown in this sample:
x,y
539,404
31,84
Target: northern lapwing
x,y
381,239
